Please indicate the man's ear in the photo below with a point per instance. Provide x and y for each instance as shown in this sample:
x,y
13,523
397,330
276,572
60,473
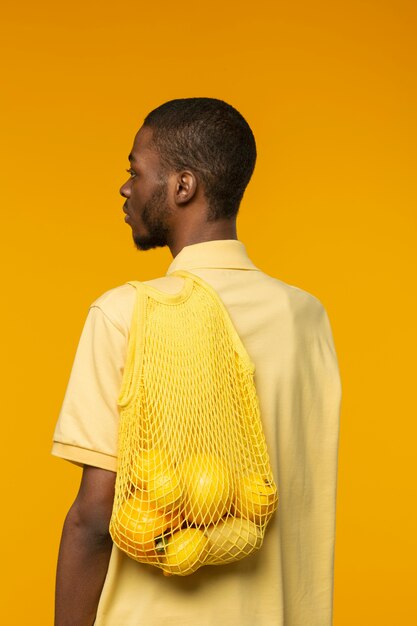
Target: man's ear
x,y
185,186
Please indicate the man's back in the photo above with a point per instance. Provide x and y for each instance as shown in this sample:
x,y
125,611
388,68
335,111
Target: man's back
x,y
286,332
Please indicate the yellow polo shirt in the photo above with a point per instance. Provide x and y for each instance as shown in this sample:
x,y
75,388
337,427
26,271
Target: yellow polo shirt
x,y
287,334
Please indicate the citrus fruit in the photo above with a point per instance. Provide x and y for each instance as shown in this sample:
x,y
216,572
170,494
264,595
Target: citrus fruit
x,y
185,551
139,523
207,488
256,498
164,488
145,465
232,539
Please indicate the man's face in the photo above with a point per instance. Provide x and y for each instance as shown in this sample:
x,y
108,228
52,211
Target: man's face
x,y
146,206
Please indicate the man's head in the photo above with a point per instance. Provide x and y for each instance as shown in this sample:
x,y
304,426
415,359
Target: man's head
x,y
190,164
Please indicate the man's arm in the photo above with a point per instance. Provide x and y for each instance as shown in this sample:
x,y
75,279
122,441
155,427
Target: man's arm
x,y
85,549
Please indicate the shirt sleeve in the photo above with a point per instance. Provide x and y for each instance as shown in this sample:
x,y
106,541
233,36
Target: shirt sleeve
x,y
87,426
311,482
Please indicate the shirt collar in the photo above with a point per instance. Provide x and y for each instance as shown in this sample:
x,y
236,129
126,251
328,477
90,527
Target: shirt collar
x,y
216,253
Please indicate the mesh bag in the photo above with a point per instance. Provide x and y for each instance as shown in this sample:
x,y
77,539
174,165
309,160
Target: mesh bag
x,y
194,484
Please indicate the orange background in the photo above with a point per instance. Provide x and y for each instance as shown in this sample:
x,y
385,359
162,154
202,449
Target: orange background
x,y
329,89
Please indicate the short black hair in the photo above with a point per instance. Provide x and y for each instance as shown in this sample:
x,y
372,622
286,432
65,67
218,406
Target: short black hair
x,y
211,138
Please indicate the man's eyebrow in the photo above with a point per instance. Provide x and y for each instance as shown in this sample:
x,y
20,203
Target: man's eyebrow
x,y
131,157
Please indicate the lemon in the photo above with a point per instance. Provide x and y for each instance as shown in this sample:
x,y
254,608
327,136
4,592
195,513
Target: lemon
x,y
232,539
138,524
164,488
256,498
146,465
207,488
185,552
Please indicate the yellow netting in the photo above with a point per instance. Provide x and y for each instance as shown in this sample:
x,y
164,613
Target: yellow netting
x,y
194,483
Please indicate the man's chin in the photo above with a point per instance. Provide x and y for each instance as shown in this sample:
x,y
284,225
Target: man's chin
x,y
148,243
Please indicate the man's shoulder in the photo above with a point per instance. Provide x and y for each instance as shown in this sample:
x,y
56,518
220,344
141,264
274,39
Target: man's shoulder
x,y
117,303
296,298
299,310
301,306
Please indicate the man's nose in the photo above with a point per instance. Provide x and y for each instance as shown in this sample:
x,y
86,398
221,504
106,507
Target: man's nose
x,y
124,190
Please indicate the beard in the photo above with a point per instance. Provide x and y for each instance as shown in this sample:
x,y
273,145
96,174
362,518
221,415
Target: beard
x,y
155,217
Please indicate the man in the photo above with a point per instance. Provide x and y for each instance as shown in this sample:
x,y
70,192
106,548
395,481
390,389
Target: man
x,y
189,166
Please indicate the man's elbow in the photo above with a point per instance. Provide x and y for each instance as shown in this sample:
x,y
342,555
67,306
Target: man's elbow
x,y
92,522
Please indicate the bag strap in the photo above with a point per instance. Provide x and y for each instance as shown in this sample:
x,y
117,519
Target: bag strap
x,y
134,352
137,328
134,356
223,310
